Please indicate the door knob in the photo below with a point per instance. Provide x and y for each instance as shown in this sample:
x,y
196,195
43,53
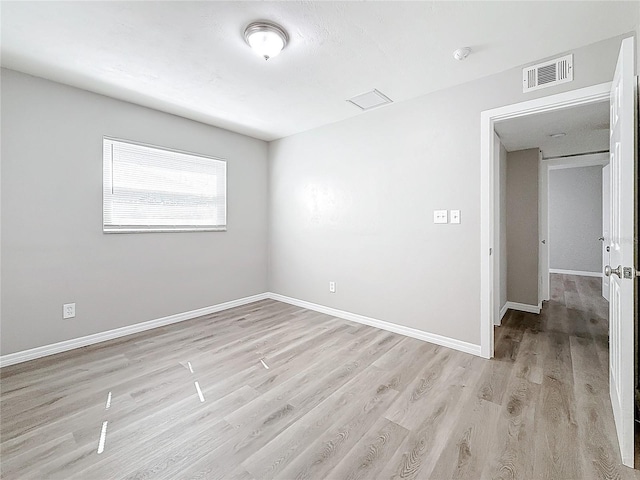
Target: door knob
x,y
608,271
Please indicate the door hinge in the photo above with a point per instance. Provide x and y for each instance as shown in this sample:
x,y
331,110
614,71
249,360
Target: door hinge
x,y
490,251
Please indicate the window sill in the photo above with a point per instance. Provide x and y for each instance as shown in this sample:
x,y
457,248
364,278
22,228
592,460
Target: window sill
x,y
139,229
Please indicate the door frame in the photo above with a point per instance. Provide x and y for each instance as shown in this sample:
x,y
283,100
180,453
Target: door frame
x,y
489,185
560,163
543,232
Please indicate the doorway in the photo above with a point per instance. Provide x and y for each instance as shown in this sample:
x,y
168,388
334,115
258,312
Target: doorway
x,y
622,95
490,195
550,219
490,225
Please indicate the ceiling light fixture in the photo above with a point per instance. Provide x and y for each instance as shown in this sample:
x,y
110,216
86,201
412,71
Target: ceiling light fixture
x,y
558,135
461,53
266,38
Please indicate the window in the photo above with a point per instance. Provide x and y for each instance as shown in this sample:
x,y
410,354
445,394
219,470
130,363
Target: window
x,y
152,189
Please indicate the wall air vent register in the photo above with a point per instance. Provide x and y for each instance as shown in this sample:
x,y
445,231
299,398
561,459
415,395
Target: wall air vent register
x,y
547,74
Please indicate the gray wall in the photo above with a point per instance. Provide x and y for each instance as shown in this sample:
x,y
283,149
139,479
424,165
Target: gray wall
x,y
522,226
503,227
350,202
575,219
353,202
53,248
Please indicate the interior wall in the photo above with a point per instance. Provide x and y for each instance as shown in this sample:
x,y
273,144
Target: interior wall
x,y
522,226
352,202
575,219
53,248
423,152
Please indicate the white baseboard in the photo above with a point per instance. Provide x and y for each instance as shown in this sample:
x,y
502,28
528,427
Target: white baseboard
x,y
503,312
391,327
38,352
523,307
64,346
580,273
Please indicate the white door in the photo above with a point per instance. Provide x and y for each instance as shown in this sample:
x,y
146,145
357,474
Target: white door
x,y
606,237
621,301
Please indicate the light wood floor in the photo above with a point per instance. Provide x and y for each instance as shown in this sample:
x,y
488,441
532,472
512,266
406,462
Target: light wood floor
x,y
337,401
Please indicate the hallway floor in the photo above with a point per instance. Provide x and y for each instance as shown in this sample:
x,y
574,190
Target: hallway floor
x,y
565,350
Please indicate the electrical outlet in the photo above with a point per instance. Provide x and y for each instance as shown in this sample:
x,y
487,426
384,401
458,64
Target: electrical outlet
x,y
69,310
455,216
332,287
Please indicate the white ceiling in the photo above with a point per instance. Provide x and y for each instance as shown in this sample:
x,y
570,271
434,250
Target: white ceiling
x,y
586,126
190,59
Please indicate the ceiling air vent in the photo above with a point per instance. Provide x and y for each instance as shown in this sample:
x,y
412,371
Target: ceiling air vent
x,y
547,74
369,100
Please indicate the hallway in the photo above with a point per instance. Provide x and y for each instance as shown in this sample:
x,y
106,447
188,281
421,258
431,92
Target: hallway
x,y
565,351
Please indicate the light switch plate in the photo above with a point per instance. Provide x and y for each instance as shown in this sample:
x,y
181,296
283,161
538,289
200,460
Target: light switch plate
x,y
455,216
440,216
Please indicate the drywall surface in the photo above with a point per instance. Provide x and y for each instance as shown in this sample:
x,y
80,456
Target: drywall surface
x,y
575,219
522,226
53,248
504,279
352,202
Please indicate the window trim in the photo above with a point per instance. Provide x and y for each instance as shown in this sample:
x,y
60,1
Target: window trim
x,y
108,229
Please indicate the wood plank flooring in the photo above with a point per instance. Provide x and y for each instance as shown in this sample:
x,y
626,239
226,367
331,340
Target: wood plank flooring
x,y
273,391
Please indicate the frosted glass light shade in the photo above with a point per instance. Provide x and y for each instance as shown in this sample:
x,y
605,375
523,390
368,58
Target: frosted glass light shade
x,y
266,39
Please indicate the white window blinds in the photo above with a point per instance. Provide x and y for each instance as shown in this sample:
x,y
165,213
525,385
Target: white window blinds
x,y
150,189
